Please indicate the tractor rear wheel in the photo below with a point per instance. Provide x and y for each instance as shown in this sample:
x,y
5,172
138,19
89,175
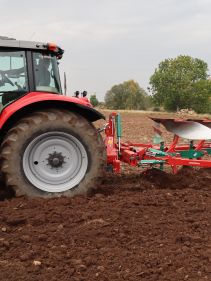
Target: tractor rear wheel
x,y
52,153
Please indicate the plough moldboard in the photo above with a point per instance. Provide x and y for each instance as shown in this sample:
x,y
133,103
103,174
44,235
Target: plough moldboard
x,y
195,153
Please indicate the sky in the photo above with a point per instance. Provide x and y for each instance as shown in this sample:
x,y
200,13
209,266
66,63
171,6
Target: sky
x,y
107,42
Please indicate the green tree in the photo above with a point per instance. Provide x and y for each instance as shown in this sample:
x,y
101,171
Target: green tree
x,y
128,95
181,83
94,101
201,97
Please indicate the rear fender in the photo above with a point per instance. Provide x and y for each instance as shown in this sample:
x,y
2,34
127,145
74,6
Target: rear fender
x,y
30,103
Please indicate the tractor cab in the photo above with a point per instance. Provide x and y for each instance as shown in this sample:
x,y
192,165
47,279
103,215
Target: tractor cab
x,y
27,67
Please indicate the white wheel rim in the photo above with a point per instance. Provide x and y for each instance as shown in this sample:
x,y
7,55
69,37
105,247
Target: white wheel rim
x,y
55,162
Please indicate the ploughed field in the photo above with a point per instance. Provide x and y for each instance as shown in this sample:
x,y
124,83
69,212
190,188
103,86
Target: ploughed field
x,y
137,226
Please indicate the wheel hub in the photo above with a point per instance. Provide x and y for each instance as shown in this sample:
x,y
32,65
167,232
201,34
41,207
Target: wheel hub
x,y
55,159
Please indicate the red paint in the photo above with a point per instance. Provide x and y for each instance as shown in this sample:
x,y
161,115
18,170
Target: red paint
x,y
35,97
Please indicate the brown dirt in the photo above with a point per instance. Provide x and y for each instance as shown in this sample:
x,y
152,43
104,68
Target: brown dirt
x,y
151,226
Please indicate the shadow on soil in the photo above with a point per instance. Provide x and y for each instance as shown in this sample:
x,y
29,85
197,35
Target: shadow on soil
x,y
155,179
138,182
187,177
5,192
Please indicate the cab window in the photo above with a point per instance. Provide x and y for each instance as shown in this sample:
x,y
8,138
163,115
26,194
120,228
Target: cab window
x,y
46,73
13,76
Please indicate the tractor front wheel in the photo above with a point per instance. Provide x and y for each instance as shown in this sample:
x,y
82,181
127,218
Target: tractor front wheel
x,y
52,153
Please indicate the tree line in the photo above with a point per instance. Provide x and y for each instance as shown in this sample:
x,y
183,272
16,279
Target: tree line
x,y
176,83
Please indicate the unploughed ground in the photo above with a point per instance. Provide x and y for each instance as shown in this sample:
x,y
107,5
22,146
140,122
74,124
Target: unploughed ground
x,y
138,226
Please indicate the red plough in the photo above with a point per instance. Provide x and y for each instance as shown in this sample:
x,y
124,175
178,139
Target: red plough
x,y
196,153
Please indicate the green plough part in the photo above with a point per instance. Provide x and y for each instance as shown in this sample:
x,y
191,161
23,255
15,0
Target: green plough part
x,y
191,154
151,162
157,152
118,126
208,151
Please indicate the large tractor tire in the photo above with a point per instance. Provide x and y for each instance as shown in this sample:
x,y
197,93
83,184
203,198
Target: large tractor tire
x,y
52,153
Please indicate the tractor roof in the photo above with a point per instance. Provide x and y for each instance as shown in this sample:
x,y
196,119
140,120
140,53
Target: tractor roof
x,y
12,43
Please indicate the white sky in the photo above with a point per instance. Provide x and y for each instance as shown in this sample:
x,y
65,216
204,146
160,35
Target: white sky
x,y
107,42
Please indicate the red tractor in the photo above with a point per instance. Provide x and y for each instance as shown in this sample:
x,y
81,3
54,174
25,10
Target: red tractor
x,y
49,146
